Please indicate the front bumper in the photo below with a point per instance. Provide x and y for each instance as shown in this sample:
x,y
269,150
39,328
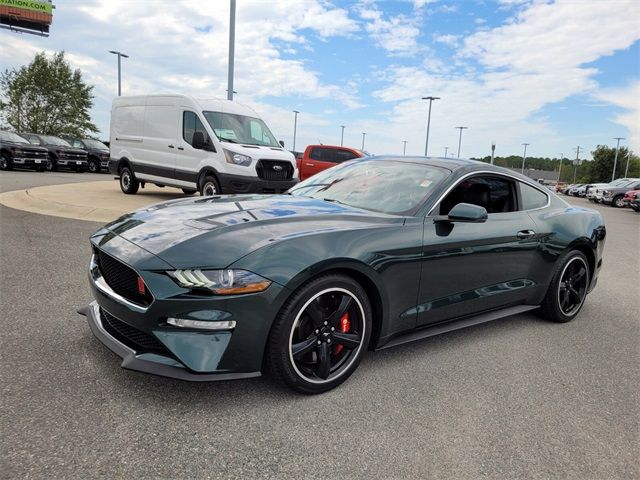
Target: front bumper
x,y
63,162
153,363
30,162
245,184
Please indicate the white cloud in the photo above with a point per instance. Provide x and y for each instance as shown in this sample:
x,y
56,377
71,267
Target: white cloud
x,y
447,39
628,99
398,34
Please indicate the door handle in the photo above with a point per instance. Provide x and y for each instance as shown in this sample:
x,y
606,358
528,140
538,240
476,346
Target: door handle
x,y
310,164
180,148
524,234
171,146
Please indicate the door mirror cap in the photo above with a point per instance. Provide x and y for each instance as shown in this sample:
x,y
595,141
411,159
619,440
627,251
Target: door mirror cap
x,y
281,142
464,212
198,141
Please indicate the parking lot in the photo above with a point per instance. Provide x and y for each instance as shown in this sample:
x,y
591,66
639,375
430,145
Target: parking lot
x,y
515,398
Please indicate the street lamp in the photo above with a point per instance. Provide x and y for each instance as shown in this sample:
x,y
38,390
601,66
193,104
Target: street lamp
x,y
404,148
615,159
363,134
426,144
295,125
626,170
445,151
560,168
493,151
120,55
232,44
524,156
460,139
342,135
575,165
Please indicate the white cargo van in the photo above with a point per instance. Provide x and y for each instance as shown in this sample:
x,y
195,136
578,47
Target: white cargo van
x,y
213,146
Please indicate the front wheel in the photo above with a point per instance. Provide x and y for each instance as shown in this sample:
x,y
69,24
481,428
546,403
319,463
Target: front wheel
x,y
568,288
52,164
128,182
5,163
618,201
320,335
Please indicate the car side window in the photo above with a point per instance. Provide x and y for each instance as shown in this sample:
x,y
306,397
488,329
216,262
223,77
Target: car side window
x,y
190,125
344,155
494,193
531,198
323,154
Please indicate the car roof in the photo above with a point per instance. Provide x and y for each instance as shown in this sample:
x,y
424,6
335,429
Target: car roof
x,y
448,163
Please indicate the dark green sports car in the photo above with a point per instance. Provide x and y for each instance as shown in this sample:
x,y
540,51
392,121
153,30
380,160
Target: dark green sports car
x,y
367,255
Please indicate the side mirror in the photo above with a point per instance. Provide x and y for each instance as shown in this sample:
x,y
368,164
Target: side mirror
x,y
281,142
464,212
198,141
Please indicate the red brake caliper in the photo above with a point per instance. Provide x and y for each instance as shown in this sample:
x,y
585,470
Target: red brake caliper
x,y
345,326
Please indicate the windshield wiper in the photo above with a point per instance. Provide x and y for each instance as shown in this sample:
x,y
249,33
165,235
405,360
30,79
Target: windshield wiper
x,y
333,200
227,140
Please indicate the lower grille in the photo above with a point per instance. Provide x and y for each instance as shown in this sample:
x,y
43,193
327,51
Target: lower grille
x,y
123,279
128,335
274,170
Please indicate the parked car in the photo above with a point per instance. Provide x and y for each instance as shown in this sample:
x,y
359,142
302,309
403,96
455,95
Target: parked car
x,y
317,158
615,195
560,187
97,152
635,202
16,151
372,253
214,146
573,191
565,190
616,183
629,197
61,153
590,192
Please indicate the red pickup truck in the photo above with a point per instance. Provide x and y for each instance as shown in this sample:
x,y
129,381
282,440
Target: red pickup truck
x,y
320,157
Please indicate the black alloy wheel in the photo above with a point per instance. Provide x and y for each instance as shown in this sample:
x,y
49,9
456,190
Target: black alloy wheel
x,y
52,164
568,289
94,165
5,162
320,336
128,182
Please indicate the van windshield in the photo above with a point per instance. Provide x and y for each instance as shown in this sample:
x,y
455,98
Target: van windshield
x,y
233,128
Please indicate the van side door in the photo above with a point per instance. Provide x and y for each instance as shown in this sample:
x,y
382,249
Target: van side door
x,y
190,160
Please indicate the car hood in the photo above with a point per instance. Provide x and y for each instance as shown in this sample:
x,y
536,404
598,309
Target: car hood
x,y
217,231
25,146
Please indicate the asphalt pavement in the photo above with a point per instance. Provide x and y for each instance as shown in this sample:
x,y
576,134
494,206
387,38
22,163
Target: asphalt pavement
x,y
516,398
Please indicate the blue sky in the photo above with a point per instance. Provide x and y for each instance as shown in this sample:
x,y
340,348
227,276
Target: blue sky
x,y
552,74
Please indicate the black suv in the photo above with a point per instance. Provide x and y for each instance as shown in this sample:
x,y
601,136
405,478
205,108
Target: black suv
x,y
16,151
98,152
61,153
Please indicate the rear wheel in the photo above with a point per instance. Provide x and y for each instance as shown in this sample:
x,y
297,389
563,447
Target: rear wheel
x,y
5,162
320,335
618,201
209,186
568,288
128,182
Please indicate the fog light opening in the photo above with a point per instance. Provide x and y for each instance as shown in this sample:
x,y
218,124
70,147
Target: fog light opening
x,y
202,324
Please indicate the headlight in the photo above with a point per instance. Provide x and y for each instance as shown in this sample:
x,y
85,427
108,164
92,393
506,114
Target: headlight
x,y
17,150
220,282
237,158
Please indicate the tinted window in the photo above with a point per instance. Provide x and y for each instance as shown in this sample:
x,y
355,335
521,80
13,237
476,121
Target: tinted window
x,y
495,194
378,185
323,154
531,197
344,155
190,125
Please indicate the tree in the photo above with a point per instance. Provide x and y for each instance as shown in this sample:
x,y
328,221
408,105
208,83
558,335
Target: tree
x,y
602,165
47,97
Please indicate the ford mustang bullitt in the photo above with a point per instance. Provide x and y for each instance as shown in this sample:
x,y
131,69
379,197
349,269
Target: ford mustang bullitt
x,y
367,255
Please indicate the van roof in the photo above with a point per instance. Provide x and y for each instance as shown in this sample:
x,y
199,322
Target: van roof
x,y
212,104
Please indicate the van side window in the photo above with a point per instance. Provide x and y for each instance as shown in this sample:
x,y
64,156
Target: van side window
x,y
190,125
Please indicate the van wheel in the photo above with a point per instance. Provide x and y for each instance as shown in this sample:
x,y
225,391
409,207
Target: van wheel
x,y
128,182
189,191
209,186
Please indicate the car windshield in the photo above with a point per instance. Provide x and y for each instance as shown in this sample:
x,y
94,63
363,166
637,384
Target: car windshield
x,y
51,140
12,137
379,185
233,128
98,145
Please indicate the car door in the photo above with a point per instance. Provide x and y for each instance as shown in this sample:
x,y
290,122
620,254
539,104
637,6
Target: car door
x,y
468,268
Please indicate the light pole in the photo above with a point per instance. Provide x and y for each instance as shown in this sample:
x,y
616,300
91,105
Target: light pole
x,y
342,135
120,55
560,168
445,151
524,156
363,134
460,139
575,166
626,170
426,144
295,126
493,151
404,148
615,159
232,43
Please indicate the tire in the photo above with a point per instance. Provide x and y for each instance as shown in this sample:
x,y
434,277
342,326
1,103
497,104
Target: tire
x,y
93,165
41,169
618,201
328,318
52,164
128,182
209,186
5,162
555,306
189,191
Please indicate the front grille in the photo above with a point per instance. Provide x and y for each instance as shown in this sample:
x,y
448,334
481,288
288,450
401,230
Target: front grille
x,y
73,156
274,170
122,279
33,154
128,335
